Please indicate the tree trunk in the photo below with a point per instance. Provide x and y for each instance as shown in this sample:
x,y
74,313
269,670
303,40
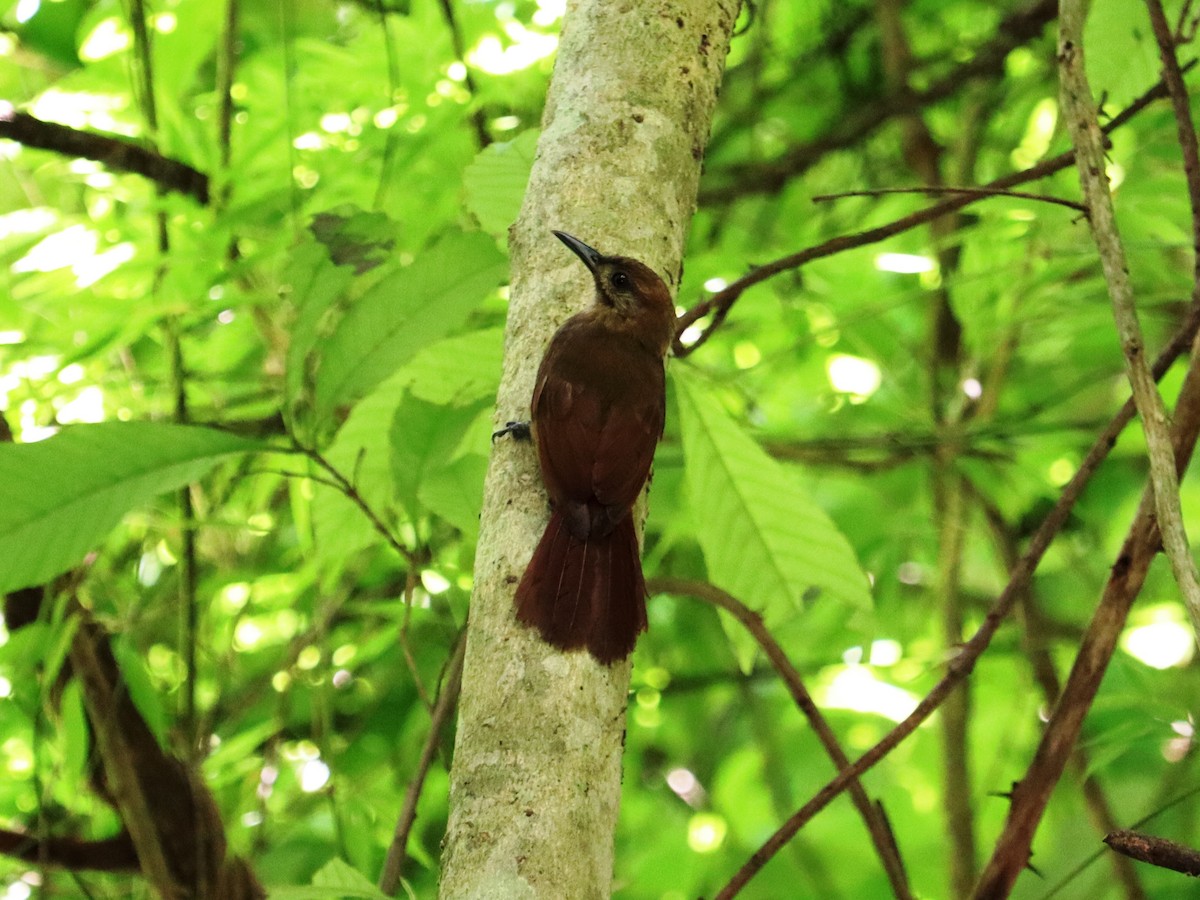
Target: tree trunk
x,y
536,779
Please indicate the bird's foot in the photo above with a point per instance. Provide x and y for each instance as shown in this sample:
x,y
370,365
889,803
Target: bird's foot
x,y
519,431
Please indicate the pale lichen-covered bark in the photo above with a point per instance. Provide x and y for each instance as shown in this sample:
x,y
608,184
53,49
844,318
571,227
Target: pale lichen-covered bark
x,y
536,778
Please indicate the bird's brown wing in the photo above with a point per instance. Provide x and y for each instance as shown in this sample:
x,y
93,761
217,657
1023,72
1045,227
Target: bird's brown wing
x,y
566,420
593,449
626,451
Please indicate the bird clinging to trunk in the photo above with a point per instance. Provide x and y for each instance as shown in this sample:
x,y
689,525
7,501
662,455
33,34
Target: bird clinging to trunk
x,y
598,409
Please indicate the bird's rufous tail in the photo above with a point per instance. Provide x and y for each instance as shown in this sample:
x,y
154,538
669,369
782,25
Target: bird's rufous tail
x,y
585,593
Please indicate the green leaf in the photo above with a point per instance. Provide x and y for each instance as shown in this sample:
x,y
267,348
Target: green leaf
x,y
334,879
496,180
56,654
316,284
403,313
76,736
141,691
59,497
455,492
460,369
361,452
424,437
763,538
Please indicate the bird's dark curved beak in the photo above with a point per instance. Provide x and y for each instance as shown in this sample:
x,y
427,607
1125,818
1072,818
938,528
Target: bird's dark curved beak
x,y
591,258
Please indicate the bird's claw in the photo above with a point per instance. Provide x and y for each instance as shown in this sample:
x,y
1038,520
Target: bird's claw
x,y
519,431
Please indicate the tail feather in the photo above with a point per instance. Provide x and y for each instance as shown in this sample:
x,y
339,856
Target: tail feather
x,y
587,593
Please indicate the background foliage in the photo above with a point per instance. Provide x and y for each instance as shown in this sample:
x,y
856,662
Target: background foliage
x,y
337,307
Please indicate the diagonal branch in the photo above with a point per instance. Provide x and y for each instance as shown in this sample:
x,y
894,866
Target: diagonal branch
x,y
873,815
718,304
1141,545
118,154
962,665
986,61
1080,113
447,698
934,190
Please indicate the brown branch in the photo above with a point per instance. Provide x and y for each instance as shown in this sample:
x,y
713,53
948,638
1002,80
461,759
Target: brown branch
x,y
1173,78
410,585
114,854
1129,571
352,494
447,697
1080,113
960,667
719,303
872,815
478,118
1141,545
986,61
118,154
171,818
932,190
1156,851
1034,627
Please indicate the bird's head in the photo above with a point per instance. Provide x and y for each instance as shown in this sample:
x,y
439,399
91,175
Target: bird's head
x,y
629,287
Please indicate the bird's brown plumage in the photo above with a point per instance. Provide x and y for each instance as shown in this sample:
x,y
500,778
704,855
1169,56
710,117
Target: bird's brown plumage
x,y
597,413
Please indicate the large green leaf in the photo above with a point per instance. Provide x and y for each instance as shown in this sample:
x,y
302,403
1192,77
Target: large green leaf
x,y
403,313
361,451
460,369
425,438
455,492
59,497
764,540
316,284
335,879
496,180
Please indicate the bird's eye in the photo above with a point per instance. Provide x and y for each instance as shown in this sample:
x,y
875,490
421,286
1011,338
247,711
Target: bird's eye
x,y
620,281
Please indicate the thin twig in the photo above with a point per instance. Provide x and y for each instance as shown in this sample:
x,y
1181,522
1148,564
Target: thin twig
x,y
1173,78
719,303
306,476
414,558
226,64
969,191
961,666
986,60
1156,851
1080,113
872,815
410,585
392,140
1141,545
352,494
1185,25
1190,151
397,853
478,119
